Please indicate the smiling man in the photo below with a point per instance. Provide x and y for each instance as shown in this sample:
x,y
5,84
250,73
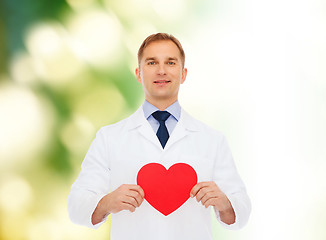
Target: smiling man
x,y
160,131
161,71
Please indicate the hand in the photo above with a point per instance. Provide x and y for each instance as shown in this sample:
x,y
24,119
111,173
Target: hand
x,y
125,197
209,194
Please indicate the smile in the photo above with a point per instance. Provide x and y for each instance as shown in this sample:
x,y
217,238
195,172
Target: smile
x,y
162,81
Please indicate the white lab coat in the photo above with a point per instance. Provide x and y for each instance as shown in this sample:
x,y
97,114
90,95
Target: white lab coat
x,y
121,149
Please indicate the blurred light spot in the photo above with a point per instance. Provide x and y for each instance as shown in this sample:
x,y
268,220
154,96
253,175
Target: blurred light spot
x,y
10,223
22,69
77,134
169,10
140,29
77,4
100,105
98,34
15,195
24,125
59,227
133,12
44,228
53,55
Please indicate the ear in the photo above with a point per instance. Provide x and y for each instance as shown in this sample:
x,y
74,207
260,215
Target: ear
x,y
184,75
137,72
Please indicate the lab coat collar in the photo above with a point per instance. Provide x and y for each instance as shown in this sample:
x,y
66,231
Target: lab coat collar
x,y
185,126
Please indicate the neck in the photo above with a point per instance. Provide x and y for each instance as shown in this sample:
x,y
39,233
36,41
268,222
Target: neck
x,y
162,105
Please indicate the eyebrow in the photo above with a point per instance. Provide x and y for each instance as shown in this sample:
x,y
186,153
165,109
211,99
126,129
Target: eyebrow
x,y
173,58
150,59
154,58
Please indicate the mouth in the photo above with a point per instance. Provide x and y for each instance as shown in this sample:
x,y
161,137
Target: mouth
x,y
162,82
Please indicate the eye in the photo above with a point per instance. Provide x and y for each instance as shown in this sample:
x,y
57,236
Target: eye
x,y
151,63
171,63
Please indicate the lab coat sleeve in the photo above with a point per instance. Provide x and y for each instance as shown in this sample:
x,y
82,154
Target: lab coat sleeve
x,y
92,183
230,183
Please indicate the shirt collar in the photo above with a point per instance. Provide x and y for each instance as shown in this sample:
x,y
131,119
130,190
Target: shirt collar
x,y
174,109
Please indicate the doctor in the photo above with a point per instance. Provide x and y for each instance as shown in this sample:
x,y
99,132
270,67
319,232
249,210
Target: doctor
x,y
159,131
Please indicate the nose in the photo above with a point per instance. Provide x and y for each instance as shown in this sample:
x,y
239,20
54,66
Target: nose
x,y
161,69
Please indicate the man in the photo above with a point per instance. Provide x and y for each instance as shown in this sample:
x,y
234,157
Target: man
x,y
159,131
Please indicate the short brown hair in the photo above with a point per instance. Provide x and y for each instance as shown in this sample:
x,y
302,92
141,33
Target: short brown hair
x,y
159,37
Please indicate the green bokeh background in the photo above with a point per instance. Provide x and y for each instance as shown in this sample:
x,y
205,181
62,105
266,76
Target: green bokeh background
x,y
58,110
67,68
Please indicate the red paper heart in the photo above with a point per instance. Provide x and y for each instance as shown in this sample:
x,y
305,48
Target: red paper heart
x,y
166,190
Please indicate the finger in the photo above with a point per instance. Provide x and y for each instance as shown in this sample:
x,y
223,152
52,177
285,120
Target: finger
x,y
139,199
141,191
136,195
130,200
127,206
202,192
208,196
198,187
210,202
137,188
214,185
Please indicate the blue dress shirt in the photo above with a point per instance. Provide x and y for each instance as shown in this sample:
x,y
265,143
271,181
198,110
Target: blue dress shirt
x,y
170,123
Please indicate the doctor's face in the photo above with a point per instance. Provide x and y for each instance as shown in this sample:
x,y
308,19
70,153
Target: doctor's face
x,y
161,71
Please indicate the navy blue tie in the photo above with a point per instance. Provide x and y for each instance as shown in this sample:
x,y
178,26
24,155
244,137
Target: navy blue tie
x,y
162,132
